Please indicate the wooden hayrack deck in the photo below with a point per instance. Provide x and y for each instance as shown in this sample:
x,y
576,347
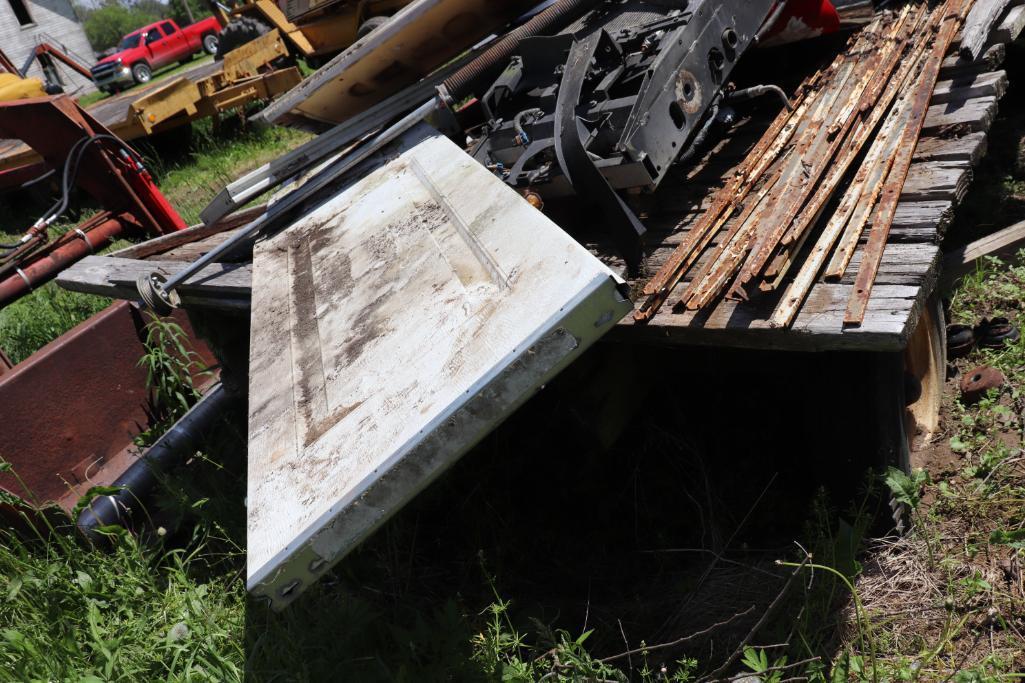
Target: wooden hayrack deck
x,y
963,107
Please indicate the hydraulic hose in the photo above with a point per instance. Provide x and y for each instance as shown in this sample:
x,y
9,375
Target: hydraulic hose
x,y
484,69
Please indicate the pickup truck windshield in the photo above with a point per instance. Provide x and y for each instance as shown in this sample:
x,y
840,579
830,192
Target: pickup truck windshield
x,y
129,42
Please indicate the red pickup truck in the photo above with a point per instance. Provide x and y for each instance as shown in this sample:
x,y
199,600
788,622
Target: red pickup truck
x,y
152,47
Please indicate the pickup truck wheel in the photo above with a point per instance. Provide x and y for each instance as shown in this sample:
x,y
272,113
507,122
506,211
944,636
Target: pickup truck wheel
x,y
141,72
238,32
370,25
210,43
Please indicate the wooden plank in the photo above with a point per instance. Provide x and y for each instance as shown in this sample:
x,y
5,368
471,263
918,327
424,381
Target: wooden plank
x,y
991,59
962,117
818,327
969,148
219,285
937,181
193,250
1011,27
935,215
972,85
1003,244
164,243
978,24
902,264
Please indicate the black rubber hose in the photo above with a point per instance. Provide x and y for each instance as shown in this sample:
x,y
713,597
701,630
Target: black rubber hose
x,y
483,70
137,482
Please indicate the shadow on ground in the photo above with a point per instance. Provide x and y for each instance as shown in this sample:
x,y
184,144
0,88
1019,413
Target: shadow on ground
x,y
644,510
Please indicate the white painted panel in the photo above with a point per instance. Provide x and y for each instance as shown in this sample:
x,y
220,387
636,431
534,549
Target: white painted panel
x,y
392,329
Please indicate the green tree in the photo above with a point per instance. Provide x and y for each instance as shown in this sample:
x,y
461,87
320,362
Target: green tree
x,y
186,12
105,25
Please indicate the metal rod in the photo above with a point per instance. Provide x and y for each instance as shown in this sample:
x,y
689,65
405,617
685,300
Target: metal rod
x,y
276,172
293,199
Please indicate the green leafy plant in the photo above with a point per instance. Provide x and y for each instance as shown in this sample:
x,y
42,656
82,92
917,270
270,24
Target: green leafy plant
x,y
170,365
906,489
1014,539
758,662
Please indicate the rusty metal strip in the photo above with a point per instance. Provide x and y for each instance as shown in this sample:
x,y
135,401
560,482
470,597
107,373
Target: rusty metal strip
x,y
879,156
870,181
735,246
794,241
794,183
820,154
725,203
884,86
731,249
953,12
728,199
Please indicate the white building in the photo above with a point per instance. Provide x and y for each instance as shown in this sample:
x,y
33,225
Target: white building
x,y
25,23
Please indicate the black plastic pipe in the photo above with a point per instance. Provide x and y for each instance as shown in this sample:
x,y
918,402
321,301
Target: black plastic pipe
x,y
138,481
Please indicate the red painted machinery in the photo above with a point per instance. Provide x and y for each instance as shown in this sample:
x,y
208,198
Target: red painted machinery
x,y
80,152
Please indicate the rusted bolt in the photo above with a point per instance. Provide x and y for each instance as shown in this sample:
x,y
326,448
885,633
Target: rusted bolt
x,y
534,199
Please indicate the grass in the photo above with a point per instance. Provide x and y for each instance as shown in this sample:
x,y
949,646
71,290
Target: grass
x,y
189,174
160,606
163,74
130,614
947,600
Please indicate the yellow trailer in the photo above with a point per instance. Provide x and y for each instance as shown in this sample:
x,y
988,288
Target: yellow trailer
x,y
315,30
245,75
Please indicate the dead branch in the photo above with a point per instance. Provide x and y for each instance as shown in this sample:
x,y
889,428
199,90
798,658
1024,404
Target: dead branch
x,y
679,641
761,622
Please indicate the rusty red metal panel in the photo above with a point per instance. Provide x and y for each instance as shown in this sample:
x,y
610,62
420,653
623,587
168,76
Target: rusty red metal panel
x,y
53,126
44,265
70,411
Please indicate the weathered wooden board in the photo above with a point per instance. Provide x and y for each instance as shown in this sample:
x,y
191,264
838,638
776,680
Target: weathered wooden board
x,y
175,240
990,60
977,26
972,85
1003,244
969,115
1011,27
420,37
937,180
892,311
219,285
969,148
392,328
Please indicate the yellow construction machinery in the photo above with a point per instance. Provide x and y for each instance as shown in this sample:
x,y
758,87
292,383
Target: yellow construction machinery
x,y
315,30
14,86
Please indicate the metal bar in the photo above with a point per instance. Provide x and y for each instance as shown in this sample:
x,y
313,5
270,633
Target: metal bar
x,y
272,174
726,201
878,104
708,286
953,12
301,194
137,482
44,265
819,157
879,155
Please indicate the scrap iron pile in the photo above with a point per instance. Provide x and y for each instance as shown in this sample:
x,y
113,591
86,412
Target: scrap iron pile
x,y
865,111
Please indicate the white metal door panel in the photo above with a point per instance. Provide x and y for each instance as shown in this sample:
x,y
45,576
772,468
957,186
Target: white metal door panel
x,y
393,328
